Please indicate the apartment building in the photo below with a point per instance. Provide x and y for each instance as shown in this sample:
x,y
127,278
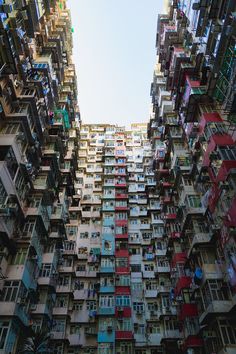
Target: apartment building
x,y
192,133
39,131
117,240
121,226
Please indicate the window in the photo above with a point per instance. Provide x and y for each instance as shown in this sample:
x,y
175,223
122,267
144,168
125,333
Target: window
x,y
138,306
3,193
57,349
139,328
171,325
95,234
61,301
214,290
10,290
91,305
154,328
121,262
124,324
78,306
137,286
45,271
19,257
125,348
149,267
4,326
69,246
71,230
152,306
123,300
193,201
123,280
64,281
106,301
104,323
107,262
78,285
50,248
37,325
200,226
10,160
104,348
84,235
75,329
11,128
135,267
151,285
227,330
59,325
165,301
28,228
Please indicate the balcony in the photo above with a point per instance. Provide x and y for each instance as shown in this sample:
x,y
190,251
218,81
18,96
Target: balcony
x,y
108,222
11,309
106,311
145,226
56,335
109,195
124,335
163,268
107,289
199,239
58,213
107,269
121,222
121,252
41,183
120,184
183,282
40,309
188,310
107,336
108,207
193,342
215,308
121,195
86,274
47,281
60,311
123,236
212,271
66,269
171,334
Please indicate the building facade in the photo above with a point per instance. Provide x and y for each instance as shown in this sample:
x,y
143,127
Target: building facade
x,y
39,131
192,131
116,240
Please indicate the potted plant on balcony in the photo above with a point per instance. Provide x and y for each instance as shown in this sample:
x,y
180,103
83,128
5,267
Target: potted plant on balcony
x,y
35,343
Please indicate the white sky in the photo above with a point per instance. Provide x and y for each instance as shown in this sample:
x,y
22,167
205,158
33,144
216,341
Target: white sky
x,y
114,52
